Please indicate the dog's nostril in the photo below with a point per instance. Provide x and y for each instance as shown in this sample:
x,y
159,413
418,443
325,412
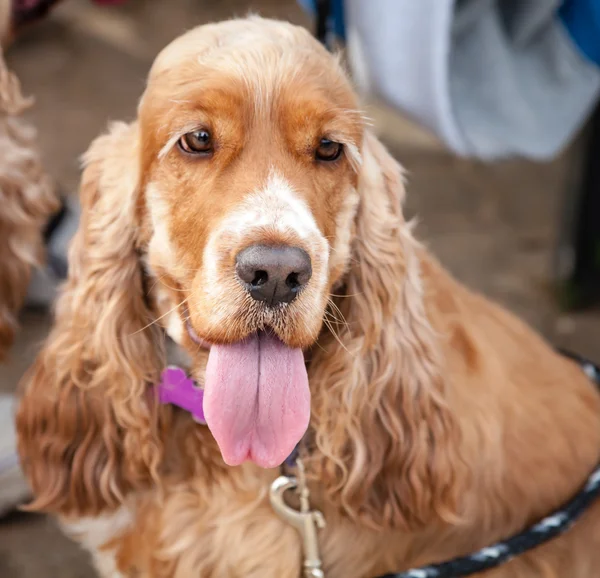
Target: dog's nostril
x,y
273,274
260,278
292,281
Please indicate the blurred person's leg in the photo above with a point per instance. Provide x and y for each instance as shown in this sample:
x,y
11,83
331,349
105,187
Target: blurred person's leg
x,y
577,263
578,255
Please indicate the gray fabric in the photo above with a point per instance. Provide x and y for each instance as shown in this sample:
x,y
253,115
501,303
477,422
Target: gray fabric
x,y
399,50
492,78
517,83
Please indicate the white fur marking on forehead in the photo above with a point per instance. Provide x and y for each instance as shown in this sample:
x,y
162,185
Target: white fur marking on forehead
x,y
282,207
275,206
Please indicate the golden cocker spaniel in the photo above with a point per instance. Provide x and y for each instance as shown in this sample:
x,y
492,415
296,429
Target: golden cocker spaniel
x,y
249,214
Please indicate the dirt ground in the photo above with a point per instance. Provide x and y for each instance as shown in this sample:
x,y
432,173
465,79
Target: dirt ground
x,y
494,226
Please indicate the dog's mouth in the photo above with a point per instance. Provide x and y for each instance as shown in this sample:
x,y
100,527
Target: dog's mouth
x,y
256,398
194,336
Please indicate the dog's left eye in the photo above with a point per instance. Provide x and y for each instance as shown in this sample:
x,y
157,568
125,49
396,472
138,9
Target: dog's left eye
x,y
196,142
328,150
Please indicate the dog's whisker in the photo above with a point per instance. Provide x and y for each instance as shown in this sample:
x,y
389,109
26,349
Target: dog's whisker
x,y
169,287
158,280
333,314
335,335
160,317
333,318
338,311
341,296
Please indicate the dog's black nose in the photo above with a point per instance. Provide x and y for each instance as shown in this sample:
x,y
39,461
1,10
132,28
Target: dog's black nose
x,y
273,274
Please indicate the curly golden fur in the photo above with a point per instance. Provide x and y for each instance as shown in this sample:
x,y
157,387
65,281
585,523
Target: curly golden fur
x,y
439,422
26,202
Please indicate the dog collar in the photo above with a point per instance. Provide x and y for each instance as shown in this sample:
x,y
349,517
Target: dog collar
x,y
178,389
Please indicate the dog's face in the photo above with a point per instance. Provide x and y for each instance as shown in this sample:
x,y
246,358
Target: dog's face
x,y
250,154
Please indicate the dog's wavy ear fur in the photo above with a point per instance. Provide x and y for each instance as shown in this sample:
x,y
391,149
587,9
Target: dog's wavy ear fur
x,y
385,437
87,434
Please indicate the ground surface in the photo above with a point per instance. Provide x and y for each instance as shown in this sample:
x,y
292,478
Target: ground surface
x,y
493,226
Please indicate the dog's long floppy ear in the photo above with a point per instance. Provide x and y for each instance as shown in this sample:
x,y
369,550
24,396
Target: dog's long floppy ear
x,y
382,428
87,433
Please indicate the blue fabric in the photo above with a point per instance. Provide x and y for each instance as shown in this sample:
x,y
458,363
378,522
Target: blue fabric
x,y
336,23
582,20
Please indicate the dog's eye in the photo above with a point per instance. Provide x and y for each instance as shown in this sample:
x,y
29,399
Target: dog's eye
x,y
328,150
196,142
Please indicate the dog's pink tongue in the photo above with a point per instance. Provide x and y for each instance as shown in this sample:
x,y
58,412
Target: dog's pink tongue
x,y
256,399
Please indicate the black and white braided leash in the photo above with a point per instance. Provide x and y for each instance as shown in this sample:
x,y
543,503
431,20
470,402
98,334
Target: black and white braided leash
x,y
550,527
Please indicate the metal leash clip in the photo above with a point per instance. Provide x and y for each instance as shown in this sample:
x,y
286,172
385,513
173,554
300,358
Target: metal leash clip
x,y
306,521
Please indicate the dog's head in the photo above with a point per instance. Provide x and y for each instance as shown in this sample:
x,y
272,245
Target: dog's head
x,y
244,210
250,161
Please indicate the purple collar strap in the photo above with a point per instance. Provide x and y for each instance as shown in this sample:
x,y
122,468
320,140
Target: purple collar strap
x,y
177,388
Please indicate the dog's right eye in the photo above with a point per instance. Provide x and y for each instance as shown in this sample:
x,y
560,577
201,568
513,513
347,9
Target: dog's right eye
x,y
328,150
196,142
